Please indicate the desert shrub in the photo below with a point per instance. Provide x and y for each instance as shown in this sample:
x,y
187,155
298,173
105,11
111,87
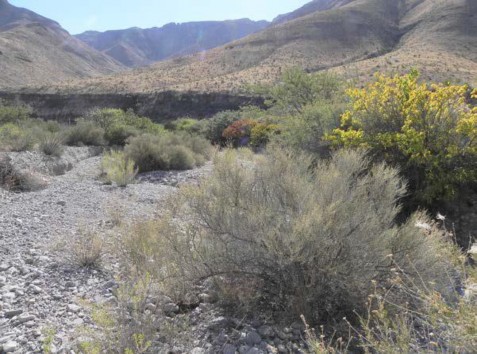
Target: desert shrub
x,y
118,168
15,138
84,248
297,89
18,181
439,326
187,125
306,131
239,132
129,327
167,152
428,130
311,236
246,132
118,134
263,132
85,133
217,124
13,113
51,144
119,125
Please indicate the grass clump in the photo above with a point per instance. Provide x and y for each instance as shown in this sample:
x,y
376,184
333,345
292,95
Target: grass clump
x,y
167,152
51,144
118,168
84,249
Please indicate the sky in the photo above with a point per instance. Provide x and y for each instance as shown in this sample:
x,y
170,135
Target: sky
x,y
77,16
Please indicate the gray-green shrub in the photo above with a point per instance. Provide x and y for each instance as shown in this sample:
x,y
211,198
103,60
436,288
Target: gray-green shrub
x,y
311,237
167,152
85,133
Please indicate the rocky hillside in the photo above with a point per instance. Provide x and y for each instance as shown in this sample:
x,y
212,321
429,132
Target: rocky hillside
x,y
136,47
356,38
36,50
313,6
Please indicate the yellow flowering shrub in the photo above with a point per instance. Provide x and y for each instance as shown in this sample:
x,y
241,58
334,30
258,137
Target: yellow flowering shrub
x,y
429,130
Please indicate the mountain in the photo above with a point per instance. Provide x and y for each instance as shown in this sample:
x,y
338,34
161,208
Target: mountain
x,y
35,50
355,38
314,6
136,47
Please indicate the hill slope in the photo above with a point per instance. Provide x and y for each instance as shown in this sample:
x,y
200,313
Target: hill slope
x,y
136,47
36,50
355,38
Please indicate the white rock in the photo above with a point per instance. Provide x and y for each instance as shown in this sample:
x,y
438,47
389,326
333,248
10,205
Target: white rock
x,y
73,308
10,346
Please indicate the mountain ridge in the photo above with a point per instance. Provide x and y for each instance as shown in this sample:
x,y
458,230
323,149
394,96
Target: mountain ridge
x,y
36,50
135,47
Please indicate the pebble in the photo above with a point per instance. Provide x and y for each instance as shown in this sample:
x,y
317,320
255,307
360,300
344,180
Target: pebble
x,y
13,313
253,338
25,318
10,347
73,308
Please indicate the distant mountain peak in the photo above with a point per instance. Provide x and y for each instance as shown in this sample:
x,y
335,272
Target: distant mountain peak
x,y
136,47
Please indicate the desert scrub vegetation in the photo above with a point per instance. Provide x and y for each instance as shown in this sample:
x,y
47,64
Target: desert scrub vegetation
x,y
304,108
85,133
51,144
171,151
118,168
15,180
120,125
110,127
311,236
187,125
430,131
128,328
83,248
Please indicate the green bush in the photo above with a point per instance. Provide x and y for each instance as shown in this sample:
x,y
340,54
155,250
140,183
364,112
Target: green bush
x,y
187,125
15,138
167,152
117,168
85,133
13,113
118,134
297,89
306,130
311,240
119,125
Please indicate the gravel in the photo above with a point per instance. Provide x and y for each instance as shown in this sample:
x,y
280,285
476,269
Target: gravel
x,y
41,292
38,289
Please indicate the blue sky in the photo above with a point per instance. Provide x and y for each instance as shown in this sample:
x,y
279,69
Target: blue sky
x,y
77,16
